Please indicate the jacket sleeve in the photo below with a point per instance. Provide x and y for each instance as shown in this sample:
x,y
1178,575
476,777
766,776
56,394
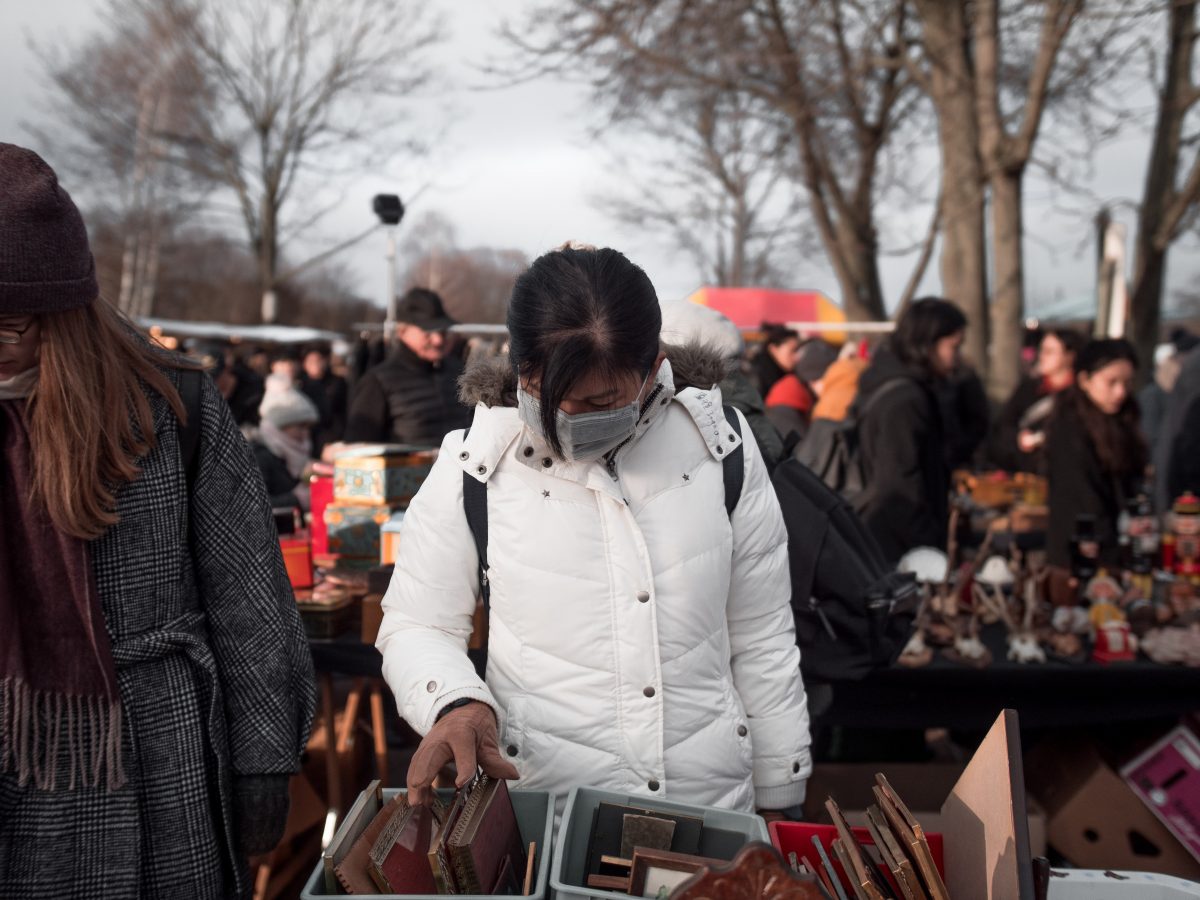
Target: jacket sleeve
x,y
429,606
762,637
367,419
261,652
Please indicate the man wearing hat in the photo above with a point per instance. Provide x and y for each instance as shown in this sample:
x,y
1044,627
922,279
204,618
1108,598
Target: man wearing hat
x,y
412,397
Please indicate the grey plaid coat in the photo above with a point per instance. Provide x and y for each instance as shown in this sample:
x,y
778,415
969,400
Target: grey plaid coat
x,y
215,678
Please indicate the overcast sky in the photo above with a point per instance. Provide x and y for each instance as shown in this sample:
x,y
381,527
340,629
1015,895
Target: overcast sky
x,y
515,168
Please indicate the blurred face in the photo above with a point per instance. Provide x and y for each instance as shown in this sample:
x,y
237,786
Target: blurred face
x,y
595,393
428,345
1053,358
21,356
786,354
946,353
297,433
288,367
315,366
1108,387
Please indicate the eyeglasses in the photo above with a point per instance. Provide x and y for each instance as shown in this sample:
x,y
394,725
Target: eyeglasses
x,y
15,335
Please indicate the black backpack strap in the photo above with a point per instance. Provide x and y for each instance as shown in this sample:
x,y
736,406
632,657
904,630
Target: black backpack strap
x,y
475,506
734,465
190,385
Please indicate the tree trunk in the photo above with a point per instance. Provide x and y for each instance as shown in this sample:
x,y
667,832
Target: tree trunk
x,y
268,259
964,255
856,263
1008,303
1150,249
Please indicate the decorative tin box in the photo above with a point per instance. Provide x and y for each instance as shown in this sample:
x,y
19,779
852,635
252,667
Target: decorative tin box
x,y
375,474
354,530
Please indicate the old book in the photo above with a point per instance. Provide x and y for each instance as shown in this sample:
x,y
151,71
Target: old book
x,y
354,871
400,855
647,832
439,855
893,855
484,836
361,814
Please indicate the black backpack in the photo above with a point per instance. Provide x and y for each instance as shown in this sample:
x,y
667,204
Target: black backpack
x,y
853,612
833,450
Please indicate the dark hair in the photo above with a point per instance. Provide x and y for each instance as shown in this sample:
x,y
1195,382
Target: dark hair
x,y
778,334
922,325
578,311
1073,341
1117,439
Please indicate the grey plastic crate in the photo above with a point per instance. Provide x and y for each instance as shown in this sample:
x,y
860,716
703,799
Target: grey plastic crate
x,y
535,818
731,832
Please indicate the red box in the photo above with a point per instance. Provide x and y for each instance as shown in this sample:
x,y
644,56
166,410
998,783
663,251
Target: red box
x,y
796,837
298,558
1167,779
320,492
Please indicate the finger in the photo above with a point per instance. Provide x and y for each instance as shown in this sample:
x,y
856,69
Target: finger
x,y
464,758
426,763
496,766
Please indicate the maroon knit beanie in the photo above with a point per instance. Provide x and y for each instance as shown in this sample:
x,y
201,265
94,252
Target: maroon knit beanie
x,y
46,265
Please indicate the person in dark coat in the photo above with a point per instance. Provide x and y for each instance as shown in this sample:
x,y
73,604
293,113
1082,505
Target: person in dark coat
x,y
965,415
906,500
412,397
283,444
156,688
1177,460
775,358
329,394
1019,432
1095,453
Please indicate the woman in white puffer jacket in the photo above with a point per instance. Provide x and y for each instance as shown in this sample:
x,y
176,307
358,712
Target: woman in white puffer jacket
x,y
641,638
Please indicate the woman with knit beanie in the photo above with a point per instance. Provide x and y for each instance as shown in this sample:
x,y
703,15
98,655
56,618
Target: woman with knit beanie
x,y
155,685
283,443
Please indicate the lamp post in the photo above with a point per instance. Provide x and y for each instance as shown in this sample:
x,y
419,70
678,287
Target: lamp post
x,y
390,211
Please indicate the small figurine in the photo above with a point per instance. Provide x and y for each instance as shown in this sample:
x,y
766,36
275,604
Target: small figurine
x,y
1115,642
1181,546
916,652
1181,599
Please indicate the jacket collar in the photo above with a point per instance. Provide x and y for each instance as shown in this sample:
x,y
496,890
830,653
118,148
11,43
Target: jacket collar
x,y
496,428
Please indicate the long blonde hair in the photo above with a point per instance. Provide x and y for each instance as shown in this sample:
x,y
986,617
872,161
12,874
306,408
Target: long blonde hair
x,y
90,418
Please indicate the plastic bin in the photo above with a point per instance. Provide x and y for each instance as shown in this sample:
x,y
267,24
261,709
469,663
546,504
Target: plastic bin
x,y
1092,884
726,832
796,837
535,818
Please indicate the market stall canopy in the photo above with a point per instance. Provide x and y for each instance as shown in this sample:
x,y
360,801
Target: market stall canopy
x,y
255,334
749,308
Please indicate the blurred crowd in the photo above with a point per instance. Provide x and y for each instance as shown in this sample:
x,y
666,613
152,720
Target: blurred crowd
x,y
911,408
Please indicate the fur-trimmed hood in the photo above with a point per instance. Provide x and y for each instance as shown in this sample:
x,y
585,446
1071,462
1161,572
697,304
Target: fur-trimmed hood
x,y
493,382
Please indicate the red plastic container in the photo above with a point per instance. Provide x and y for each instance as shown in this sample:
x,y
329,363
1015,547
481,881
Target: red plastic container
x,y
320,492
796,837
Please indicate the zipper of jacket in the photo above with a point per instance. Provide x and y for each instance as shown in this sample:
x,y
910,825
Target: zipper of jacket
x,y
610,461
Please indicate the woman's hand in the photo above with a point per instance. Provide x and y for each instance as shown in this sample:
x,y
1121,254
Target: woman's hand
x,y
468,736
1029,441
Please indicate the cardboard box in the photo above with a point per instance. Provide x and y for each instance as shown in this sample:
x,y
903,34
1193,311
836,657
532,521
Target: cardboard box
x,y
1094,818
355,531
374,474
923,786
1167,779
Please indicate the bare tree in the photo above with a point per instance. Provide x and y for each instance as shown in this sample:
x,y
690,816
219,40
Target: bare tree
x,y
1168,206
825,70
993,71
717,185
280,99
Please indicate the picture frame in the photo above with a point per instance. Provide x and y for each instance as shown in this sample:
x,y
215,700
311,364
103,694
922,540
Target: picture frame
x,y
655,870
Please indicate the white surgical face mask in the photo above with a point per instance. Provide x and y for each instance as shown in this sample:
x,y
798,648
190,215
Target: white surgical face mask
x,y
585,436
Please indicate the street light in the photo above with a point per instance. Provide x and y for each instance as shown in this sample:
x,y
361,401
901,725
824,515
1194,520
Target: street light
x,y
390,211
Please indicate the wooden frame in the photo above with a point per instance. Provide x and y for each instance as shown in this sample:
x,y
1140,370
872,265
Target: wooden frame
x,y
653,869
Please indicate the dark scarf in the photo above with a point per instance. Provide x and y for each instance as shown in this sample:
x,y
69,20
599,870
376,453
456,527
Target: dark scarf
x,y
60,711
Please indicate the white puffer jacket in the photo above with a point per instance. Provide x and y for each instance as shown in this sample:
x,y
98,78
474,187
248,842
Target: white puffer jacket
x,y
640,641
